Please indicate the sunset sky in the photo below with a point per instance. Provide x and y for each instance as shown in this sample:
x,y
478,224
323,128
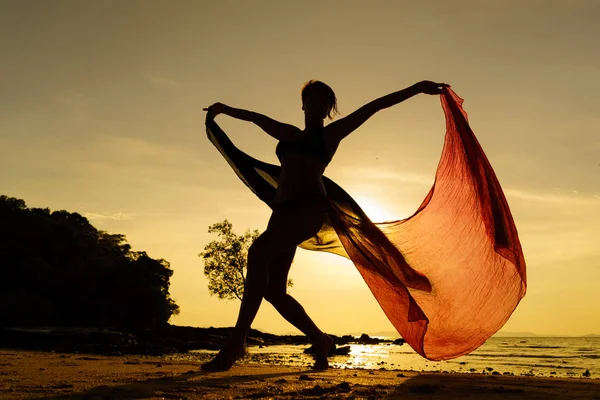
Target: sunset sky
x,y
101,114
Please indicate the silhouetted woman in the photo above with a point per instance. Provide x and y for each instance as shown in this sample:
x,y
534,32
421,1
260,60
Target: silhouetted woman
x,y
299,207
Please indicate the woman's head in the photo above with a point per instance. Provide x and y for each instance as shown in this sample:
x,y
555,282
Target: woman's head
x,y
318,100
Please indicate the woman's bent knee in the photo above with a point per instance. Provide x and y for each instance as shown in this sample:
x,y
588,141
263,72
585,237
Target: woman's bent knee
x,y
275,297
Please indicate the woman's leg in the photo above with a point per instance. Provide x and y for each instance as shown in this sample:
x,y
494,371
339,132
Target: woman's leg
x,y
291,310
260,254
284,232
257,277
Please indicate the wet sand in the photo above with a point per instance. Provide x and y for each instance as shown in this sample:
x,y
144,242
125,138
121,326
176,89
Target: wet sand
x,y
42,375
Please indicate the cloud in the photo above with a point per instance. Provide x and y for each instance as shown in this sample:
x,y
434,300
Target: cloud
x,y
99,217
160,81
573,199
120,154
387,174
73,102
133,147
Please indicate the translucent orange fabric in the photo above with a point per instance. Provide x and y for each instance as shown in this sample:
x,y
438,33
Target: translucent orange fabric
x,y
449,276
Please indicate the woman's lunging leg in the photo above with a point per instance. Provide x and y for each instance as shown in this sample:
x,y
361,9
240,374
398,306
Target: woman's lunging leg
x,y
257,278
292,310
286,305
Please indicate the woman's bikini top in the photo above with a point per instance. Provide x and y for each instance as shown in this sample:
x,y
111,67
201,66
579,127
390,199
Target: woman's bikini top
x,y
312,144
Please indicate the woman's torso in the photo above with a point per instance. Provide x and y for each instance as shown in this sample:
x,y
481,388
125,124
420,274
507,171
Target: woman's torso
x,y
303,163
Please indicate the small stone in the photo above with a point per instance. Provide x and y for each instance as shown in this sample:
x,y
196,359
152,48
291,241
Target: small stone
x,y
401,375
306,378
62,386
317,390
344,387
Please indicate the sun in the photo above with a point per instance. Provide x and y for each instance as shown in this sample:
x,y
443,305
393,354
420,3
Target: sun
x,y
375,209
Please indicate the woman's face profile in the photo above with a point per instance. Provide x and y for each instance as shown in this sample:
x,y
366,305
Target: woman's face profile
x,y
315,105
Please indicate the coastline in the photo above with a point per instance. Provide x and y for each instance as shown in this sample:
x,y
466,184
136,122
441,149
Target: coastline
x,y
28,374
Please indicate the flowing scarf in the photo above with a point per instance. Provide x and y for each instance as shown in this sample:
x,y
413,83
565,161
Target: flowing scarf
x,y
449,276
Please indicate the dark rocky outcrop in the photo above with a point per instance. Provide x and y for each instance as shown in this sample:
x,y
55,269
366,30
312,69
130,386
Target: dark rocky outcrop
x,y
162,340
334,351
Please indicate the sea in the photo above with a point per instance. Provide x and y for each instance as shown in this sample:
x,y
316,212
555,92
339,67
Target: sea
x,y
575,357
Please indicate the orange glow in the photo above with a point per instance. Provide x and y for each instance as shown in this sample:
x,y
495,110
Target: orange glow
x,y
376,210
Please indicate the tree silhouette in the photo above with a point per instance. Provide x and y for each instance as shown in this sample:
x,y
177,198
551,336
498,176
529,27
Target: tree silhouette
x,y
59,270
225,261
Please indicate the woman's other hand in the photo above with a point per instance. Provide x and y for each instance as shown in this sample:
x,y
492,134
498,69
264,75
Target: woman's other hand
x,y
214,110
429,87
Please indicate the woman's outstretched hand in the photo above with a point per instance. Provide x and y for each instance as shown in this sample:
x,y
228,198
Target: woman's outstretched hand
x,y
429,87
214,110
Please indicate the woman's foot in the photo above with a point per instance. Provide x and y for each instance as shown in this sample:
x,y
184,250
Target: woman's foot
x,y
322,348
225,359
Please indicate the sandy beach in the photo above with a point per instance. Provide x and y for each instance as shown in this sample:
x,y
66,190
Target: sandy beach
x,y
44,375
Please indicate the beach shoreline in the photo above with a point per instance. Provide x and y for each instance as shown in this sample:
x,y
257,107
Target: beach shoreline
x,y
50,375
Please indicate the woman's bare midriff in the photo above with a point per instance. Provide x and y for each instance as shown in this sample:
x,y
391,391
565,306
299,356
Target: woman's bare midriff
x,y
301,176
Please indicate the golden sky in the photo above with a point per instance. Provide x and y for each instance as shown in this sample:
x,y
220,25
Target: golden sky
x,y
100,113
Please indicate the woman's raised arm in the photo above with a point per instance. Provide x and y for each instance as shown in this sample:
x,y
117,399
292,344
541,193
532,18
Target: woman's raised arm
x,y
279,130
345,126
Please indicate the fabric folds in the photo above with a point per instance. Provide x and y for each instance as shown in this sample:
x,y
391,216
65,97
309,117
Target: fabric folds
x,y
449,276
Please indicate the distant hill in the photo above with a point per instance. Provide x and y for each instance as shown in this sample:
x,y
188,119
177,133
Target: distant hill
x,y
394,334
531,334
516,334
498,334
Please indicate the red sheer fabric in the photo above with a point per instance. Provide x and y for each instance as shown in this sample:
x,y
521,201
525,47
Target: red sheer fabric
x,y
447,277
